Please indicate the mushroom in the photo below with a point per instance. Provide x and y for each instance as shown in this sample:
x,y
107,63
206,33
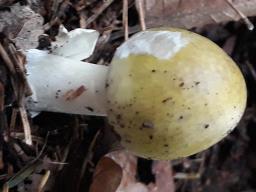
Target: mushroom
x,y
168,92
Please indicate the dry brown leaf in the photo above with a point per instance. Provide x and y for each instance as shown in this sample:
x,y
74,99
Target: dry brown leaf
x,y
188,14
163,177
107,176
21,24
128,162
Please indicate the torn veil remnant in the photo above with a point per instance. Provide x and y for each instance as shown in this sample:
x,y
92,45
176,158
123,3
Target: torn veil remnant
x,y
78,44
162,44
154,92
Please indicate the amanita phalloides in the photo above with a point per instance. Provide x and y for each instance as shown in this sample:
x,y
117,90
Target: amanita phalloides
x,y
168,92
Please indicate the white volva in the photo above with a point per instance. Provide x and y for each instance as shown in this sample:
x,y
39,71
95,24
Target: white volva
x,y
161,44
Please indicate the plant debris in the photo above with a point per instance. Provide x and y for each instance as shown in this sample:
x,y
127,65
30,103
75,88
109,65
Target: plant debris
x,y
61,152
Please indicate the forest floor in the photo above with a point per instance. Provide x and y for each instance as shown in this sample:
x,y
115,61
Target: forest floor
x,y
66,148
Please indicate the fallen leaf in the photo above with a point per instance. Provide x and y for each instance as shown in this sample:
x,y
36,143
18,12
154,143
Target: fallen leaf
x,y
188,14
128,162
163,177
28,36
21,24
107,176
134,187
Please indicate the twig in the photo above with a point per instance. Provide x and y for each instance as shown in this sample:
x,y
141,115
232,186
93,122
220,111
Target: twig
x,y
43,148
3,121
20,85
105,5
187,176
2,93
7,60
26,126
80,8
43,181
141,14
48,25
82,20
252,70
5,188
10,170
10,67
215,20
13,119
202,164
118,34
64,157
20,70
57,163
125,19
1,160
88,157
248,23
21,135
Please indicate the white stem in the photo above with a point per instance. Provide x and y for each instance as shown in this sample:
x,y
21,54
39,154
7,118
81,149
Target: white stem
x,y
65,85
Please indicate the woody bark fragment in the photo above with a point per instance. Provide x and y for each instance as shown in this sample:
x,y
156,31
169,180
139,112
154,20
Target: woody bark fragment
x,y
190,13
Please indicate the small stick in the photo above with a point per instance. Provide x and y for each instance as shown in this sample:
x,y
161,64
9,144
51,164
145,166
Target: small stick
x,y
80,8
82,20
88,157
99,11
13,119
248,23
43,181
16,68
125,19
5,188
26,126
20,71
252,70
1,160
12,123
64,157
7,59
141,14
187,176
48,25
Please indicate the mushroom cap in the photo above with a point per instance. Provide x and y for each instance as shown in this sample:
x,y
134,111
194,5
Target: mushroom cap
x,y
172,93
